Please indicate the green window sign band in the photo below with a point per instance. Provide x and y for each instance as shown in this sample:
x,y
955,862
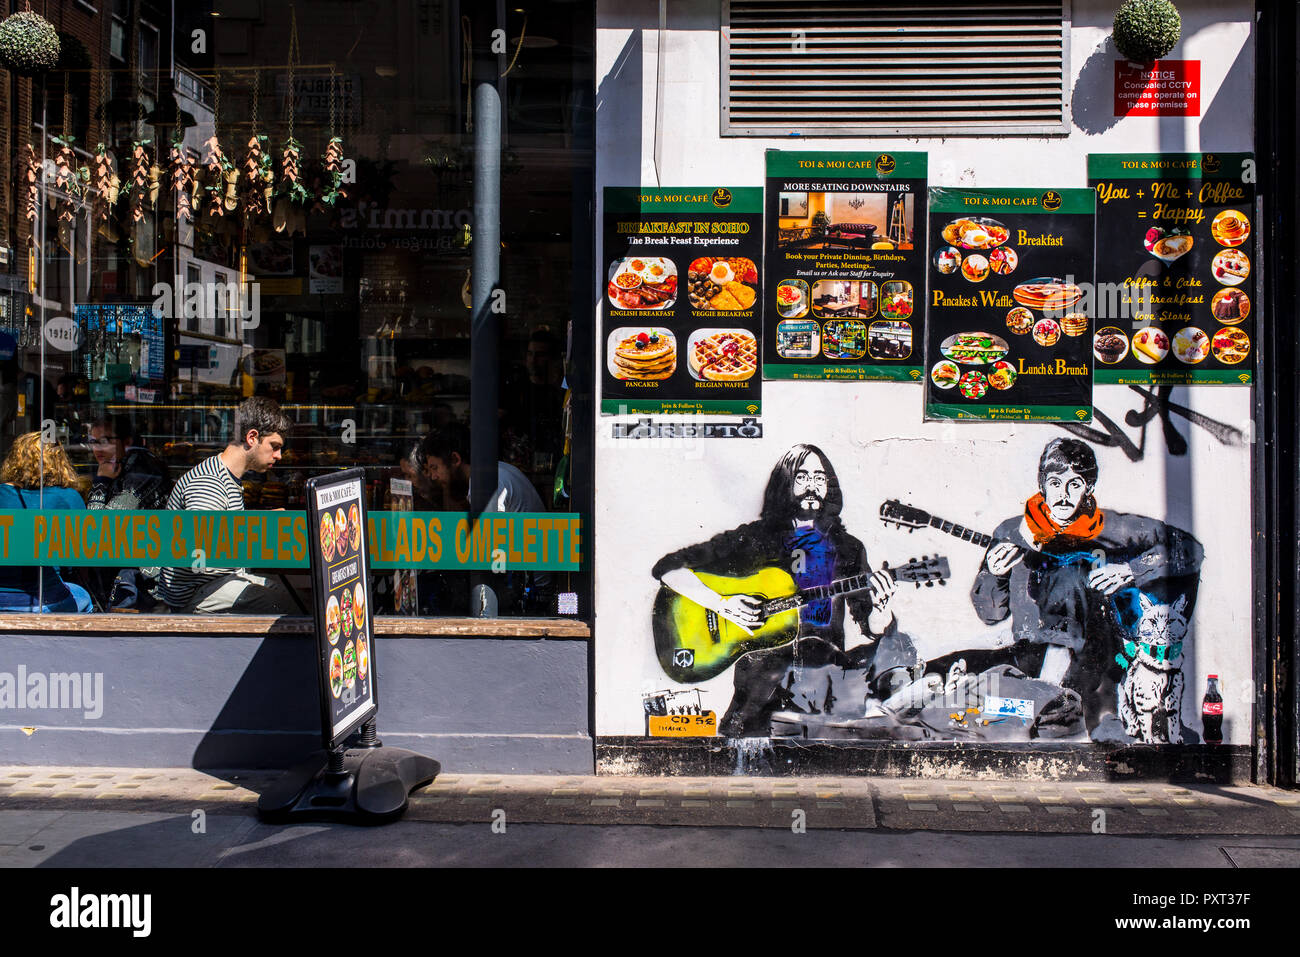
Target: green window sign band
x,y
522,541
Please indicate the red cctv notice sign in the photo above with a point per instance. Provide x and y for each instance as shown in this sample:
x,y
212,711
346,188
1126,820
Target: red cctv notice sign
x,y
1163,88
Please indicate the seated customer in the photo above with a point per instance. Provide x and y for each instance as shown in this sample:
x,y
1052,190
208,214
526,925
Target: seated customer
x,y
446,458
127,476
446,462
26,469
214,485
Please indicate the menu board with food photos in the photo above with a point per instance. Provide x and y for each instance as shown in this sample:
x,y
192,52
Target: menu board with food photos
x,y
340,570
680,300
1176,245
1008,315
845,266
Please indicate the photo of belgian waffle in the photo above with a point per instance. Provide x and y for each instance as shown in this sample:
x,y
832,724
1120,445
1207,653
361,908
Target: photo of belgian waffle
x,y
722,355
641,353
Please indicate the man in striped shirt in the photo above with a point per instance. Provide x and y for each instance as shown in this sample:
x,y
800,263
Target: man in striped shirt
x,y
214,485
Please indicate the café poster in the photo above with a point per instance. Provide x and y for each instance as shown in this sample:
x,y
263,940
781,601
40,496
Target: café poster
x,y
1176,245
680,300
1008,328
845,265
336,526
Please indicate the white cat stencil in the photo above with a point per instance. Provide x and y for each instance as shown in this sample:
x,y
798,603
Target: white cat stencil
x,y
1151,694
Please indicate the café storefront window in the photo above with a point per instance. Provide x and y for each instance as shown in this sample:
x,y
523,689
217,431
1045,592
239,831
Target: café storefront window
x,y
228,201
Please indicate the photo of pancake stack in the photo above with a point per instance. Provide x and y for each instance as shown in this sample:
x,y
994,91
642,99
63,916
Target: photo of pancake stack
x,y
1075,324
643,354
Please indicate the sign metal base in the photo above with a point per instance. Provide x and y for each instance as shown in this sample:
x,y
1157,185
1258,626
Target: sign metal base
x,y
364,785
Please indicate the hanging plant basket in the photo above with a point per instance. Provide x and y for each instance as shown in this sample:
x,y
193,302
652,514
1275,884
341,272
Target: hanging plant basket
x,y
73,54
29,44
1146,30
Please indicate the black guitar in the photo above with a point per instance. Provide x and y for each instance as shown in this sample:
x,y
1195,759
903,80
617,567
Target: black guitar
x,y
896,513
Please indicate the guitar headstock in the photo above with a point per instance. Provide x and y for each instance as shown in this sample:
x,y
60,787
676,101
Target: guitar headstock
x,y
894,512
924,571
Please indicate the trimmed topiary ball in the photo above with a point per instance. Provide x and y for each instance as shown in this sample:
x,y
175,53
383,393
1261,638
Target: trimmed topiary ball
x,y
1145,30
29,44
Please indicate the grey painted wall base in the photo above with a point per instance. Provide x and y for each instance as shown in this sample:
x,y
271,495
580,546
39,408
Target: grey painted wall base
x,y
235,701
1224,764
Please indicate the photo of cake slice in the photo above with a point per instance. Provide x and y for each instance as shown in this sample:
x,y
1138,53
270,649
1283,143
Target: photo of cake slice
x,y
1191,345
1230,306
1150,345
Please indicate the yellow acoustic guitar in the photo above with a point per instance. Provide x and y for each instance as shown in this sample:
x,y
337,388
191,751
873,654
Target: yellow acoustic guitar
x,y
694,643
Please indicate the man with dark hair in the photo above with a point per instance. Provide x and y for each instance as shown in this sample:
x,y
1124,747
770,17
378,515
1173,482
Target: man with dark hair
x,y
127,475
1071,578
214,485
447,463
799,530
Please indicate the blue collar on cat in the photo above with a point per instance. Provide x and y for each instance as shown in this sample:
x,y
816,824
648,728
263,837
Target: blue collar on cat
x,y
1161,653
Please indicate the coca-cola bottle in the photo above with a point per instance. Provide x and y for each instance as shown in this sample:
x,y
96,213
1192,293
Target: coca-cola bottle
x,y
1212,711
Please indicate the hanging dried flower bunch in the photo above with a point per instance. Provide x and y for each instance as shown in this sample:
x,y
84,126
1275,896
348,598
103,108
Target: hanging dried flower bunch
x,y
258,178
183,175
333,189
220,180
107,187
32,179
66,180
142,180
105,181
294,196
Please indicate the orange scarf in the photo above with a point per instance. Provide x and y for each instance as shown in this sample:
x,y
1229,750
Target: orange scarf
x,y
1088,525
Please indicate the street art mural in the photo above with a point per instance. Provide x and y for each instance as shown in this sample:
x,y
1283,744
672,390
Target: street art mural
x,y
1071,616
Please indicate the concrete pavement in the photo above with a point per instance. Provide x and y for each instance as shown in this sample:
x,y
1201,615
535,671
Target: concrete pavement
x,y
182,817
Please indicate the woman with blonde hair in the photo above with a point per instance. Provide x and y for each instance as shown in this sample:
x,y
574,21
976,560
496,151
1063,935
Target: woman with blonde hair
x,y
38,474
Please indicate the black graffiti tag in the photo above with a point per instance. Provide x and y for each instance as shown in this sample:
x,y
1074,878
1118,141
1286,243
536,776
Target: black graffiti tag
x,y
1153,404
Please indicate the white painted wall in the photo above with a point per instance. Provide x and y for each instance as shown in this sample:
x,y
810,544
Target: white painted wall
x,y
655,496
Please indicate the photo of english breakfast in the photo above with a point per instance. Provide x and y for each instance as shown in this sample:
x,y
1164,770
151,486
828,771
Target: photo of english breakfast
x,y
642,283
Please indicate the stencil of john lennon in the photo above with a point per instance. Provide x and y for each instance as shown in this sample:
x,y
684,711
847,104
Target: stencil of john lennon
x,y
711,614
1074,579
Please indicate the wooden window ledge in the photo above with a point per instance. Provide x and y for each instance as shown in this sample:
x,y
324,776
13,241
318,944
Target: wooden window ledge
x,y
291,625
